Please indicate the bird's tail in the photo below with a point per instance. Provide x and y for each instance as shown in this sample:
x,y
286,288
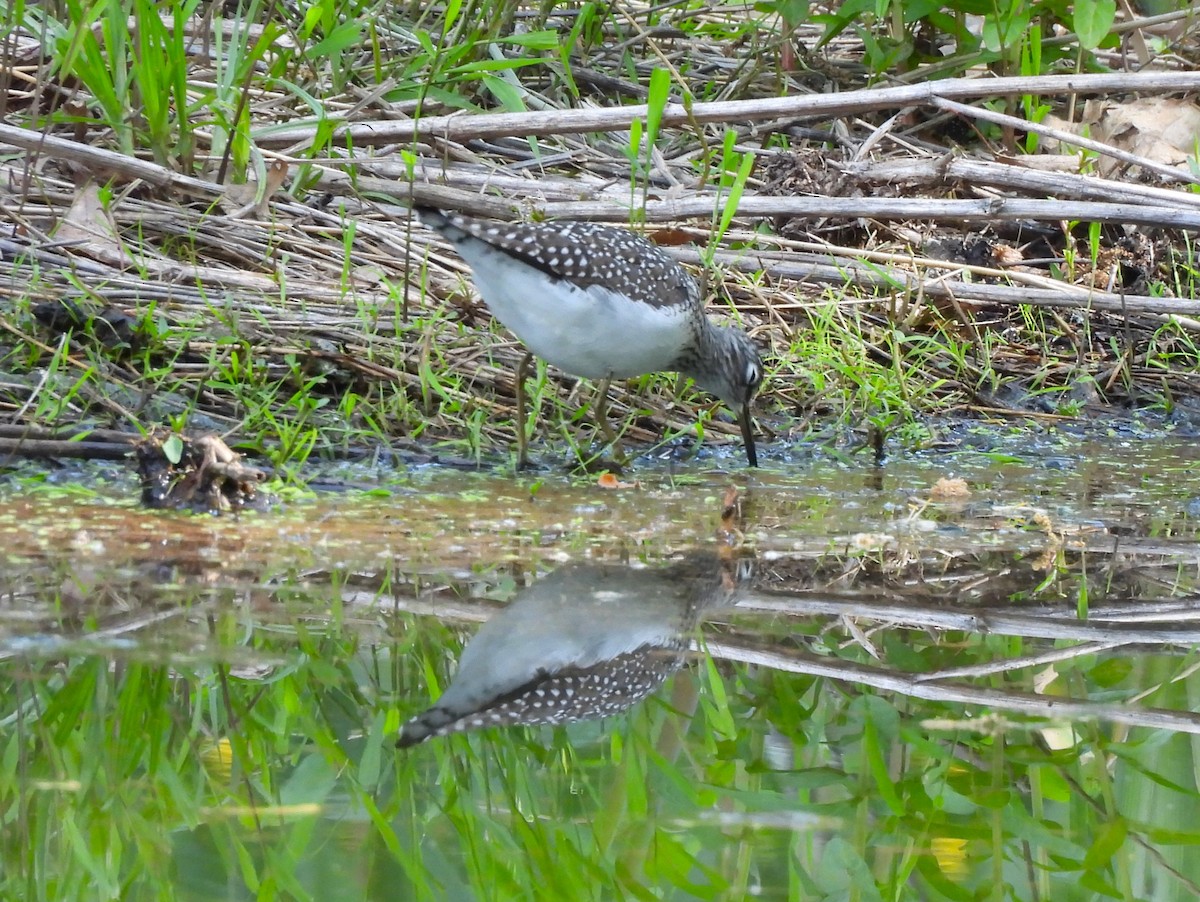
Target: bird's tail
x,y
424,725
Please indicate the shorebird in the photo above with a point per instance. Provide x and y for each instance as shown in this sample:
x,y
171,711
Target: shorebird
x,y
602,303
587,641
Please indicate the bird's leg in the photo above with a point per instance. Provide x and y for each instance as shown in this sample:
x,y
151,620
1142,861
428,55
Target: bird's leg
x,y
610,438
522,440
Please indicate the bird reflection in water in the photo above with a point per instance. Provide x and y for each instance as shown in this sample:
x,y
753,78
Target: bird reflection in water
x,y
586,641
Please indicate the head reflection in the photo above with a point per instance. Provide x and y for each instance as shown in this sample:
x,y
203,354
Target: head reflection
x,y
586,641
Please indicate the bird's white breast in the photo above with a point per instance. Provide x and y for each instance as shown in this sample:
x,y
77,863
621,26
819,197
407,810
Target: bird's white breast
x,y
591,332
577,616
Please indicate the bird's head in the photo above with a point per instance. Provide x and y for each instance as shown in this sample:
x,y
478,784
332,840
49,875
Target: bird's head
x,y
735,380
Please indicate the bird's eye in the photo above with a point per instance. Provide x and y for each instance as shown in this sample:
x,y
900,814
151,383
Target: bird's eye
x,y
754,376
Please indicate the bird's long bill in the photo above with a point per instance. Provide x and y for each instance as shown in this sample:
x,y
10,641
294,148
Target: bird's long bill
x,y
748,435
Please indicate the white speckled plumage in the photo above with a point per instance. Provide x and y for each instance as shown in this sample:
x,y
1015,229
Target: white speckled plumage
x,y
602,302
585,641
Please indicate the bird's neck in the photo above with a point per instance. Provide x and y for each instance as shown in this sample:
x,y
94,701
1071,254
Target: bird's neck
x,y
709,343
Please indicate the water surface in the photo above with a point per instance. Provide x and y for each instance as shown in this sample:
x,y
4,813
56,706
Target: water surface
x,y
889,687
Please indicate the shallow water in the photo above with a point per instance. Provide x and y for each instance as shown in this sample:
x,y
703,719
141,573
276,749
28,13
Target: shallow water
x,y
874,688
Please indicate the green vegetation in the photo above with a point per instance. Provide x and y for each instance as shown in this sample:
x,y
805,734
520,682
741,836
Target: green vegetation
x,y
1015,37
191,782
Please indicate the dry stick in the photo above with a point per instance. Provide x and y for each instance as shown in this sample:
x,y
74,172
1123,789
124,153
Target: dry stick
x,y
46,448
1171,172
1144,23
815,252
910,685
468,127
994,622
473,202
37,441
383,174
848,273
983,210
1008,175
989,668
41,432
1146,610
97,158
567,121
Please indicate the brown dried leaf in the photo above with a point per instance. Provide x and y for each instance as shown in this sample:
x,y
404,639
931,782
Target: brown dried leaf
x,y
90,230
1162,129
253,196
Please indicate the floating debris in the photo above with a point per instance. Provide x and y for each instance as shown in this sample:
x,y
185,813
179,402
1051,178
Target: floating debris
x,y
198,474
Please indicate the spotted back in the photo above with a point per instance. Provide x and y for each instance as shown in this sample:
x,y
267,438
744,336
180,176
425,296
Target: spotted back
x,y
584,253
570,695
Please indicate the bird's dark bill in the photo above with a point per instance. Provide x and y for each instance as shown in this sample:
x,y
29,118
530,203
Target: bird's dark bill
x,y
748,435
